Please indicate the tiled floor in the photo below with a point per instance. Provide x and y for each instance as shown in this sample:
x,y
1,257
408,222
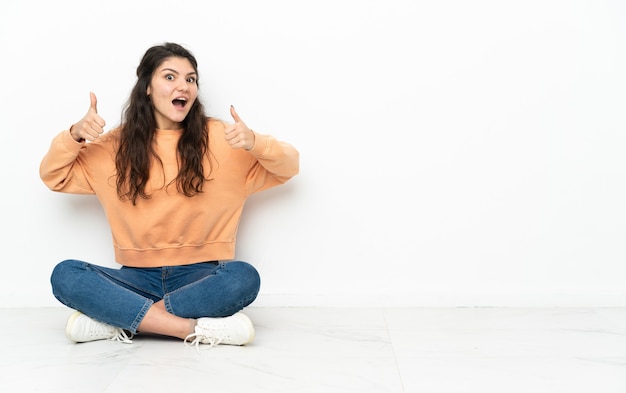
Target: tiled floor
x,y
299,350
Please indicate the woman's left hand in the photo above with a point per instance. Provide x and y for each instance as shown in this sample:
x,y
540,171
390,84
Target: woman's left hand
x,y
238,135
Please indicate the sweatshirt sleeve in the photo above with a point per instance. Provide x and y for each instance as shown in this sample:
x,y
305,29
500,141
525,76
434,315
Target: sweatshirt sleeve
x,y
276,162
61,169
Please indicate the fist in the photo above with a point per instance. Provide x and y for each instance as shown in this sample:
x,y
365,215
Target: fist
x,y
91,125
238,135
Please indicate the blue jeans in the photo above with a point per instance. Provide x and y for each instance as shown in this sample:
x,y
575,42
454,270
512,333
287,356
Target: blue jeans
x,y
121,297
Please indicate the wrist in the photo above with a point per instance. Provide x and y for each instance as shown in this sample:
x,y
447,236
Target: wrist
x,y
253,141
79,140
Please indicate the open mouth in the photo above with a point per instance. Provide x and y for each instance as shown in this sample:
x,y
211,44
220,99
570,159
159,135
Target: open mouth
x,y
179,103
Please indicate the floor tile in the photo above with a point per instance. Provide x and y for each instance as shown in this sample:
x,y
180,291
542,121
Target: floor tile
x,y
309,349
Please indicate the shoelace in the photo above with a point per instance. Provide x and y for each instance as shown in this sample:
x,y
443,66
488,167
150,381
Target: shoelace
x,y
198,339
122,337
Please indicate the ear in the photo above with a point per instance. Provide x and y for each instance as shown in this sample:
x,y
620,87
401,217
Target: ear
x,y
148,92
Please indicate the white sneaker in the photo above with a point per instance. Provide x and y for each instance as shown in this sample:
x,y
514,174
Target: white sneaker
x,y
80,328
234,330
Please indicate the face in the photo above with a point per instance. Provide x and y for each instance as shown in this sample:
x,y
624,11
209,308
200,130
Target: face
x,y
173,90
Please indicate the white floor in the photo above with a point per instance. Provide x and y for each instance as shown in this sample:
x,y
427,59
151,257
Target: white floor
x,y
298,350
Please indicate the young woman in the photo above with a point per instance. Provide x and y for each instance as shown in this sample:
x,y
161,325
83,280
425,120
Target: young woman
x,y
172,183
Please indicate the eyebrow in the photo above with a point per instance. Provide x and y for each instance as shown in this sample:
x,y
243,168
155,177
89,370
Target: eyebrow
x,y
176,72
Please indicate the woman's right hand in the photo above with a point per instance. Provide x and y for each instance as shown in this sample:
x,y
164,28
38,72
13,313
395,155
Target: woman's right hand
x,y
91,126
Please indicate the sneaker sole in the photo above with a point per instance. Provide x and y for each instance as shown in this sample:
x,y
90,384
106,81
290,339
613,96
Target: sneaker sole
x,y
244,318
70,324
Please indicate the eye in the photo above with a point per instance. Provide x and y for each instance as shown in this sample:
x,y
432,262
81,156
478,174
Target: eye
x,y
169,77
191,79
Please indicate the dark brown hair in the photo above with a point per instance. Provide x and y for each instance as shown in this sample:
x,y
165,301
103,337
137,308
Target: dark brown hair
x,y
136,149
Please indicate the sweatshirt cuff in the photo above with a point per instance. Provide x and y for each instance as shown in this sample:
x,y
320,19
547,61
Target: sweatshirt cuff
x,y
70,143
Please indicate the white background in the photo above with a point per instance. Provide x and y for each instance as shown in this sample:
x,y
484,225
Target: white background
x,y
453,153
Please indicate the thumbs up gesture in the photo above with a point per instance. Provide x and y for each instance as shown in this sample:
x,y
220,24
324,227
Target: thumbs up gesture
x,y
91,126
238,135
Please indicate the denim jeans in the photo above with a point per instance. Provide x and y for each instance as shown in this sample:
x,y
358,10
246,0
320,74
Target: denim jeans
x,y
121,297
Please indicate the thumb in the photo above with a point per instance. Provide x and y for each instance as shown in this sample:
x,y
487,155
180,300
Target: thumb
x,y
234,114
94,102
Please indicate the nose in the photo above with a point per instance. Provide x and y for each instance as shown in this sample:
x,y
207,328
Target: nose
x,y
182,86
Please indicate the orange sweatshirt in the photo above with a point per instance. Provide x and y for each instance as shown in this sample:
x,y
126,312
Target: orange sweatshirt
x,y
171,229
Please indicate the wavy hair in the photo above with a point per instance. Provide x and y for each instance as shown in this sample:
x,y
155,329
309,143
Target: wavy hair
x,y
136,149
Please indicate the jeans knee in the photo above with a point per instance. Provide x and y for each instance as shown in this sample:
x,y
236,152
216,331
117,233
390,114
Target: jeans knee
x,y
62,274
247,278
62,270
251,276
